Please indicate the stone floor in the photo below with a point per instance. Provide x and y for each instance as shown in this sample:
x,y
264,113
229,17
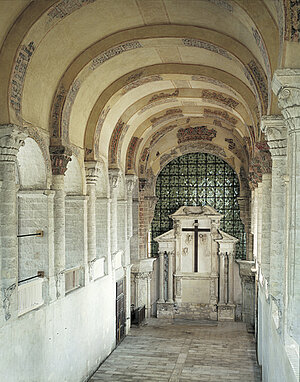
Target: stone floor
x,y
182,351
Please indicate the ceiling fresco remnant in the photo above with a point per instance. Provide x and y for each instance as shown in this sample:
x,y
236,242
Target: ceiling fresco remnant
x,y
110,53
221,113
65,8
292,20
196,133
18,77
228,101
169,114
133,145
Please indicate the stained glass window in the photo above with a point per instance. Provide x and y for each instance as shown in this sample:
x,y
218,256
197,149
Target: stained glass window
x,y
199,179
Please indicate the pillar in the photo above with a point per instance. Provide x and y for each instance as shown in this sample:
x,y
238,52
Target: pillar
x,y
286,85
266,186
60,157
91,173
275,130
113,186
170,276
259,221
11,139
161,276
130,182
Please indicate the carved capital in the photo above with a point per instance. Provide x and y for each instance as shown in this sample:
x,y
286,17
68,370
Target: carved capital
x,y
60,157
274,128
286,85
130,182
12,137
92,171
114,177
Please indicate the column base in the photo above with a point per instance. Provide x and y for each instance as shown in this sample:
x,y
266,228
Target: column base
x,y
165,309
226,312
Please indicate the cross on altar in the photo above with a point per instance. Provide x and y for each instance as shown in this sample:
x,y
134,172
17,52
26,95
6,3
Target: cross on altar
x,y
196,230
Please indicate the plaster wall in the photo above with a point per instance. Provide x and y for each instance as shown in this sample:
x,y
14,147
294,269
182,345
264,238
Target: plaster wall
x,y
63,341
272,354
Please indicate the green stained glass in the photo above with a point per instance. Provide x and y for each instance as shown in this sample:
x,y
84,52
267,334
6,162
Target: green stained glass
x,y
199,179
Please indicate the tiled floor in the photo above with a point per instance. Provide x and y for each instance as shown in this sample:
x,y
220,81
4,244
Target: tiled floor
x,y
183,351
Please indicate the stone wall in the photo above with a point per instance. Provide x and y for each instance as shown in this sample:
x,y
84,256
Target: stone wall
x,y
76,235
33,216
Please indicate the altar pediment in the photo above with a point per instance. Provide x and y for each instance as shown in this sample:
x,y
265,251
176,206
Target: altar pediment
x,y
199,211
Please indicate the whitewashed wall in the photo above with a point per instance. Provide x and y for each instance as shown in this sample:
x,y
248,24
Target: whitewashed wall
x,y
63,341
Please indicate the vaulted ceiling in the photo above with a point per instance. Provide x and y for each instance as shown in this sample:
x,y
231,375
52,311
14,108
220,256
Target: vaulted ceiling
x,y
137,82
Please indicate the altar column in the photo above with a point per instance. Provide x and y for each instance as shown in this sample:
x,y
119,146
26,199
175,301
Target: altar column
x,y
222,278
161,276
231,258
170,277
60,157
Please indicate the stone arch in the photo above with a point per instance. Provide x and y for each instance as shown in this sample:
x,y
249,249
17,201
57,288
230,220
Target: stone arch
x,y
73,177
32,169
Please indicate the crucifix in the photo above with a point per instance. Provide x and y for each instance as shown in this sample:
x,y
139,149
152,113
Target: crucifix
x,y
196,230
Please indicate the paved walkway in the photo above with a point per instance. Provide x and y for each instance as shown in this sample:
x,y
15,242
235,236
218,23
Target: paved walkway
x,y
183,351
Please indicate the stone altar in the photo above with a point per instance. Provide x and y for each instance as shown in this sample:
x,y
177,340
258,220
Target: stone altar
x,y
196,267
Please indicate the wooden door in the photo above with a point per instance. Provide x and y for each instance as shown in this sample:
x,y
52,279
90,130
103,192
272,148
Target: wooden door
x,y
120,311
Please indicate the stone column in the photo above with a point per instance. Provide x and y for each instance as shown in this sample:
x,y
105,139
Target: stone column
x,y
231,259
11,139
91,173
266,223
275,130
113,184
161,276
170,276
60,157
245,217
222,278
286,85
259,221
130,182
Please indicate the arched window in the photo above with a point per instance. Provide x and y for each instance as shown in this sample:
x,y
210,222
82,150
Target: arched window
x,y
199,179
